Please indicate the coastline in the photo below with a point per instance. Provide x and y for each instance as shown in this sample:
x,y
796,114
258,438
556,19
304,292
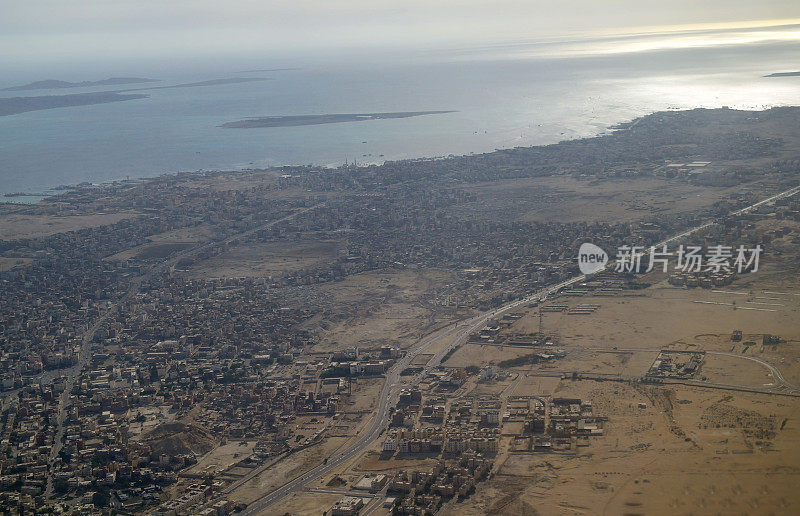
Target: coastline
x,y
53,192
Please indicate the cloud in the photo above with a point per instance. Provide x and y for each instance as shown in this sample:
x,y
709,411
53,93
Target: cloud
x,y
54,29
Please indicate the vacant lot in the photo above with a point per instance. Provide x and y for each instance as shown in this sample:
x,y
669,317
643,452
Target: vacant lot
x,y
11,263
374,309
267,260
565,198
222,457
14,226
483,354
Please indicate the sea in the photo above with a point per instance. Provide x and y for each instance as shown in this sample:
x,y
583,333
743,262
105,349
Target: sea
x,y
502,96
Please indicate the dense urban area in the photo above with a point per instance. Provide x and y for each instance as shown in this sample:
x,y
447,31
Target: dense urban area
x,y
381,335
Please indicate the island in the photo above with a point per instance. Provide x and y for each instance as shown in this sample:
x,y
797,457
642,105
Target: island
x,y
783,74
212,82
270,70
15,105
296,120
51,84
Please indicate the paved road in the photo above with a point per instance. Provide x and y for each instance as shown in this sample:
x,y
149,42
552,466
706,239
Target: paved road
x,y
776,374
84,355
458,332
780,382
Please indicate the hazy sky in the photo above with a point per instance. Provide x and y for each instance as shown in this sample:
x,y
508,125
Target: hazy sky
x,y
45,31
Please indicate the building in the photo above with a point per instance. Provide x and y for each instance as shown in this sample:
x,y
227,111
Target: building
x,y
371,483
347,506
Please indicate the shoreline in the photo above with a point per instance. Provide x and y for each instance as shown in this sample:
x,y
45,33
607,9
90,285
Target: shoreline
x,y
612,128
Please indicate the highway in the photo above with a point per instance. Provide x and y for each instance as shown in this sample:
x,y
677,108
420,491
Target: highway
x,y
459,333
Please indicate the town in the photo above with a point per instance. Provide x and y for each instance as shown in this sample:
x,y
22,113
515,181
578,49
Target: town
x,y
191,333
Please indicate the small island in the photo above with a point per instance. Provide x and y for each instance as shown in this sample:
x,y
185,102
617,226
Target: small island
x,y
297,120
